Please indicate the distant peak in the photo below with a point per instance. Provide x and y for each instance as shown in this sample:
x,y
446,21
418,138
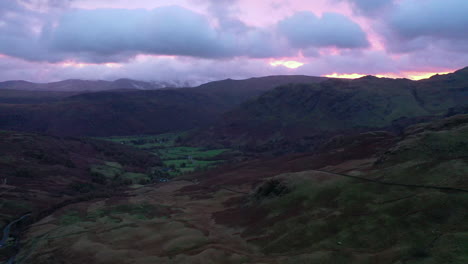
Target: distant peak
x,y
463,70
124,80
369,77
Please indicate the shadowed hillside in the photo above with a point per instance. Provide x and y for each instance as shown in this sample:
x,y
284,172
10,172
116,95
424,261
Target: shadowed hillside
x,y
365,198
86,85
38,172
130,112
298,115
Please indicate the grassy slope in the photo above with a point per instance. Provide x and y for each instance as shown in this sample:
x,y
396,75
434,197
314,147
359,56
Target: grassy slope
x,y
297,215
290,114
372,223
113,113
176,158
39,171
32,97
127,112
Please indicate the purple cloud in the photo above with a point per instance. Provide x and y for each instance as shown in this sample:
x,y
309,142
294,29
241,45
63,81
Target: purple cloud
x,y
304,30
46,40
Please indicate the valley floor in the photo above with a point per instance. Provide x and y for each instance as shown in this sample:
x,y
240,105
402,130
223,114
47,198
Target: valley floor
x,y
298,208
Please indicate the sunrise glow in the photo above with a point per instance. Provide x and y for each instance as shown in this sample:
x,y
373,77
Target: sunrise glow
x,y
73,64
113,65
345,76
287,64
421,75
227,39
409,75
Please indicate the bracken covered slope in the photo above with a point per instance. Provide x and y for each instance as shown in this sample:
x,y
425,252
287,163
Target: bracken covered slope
x,y
308,113
38,172
365,198
129,111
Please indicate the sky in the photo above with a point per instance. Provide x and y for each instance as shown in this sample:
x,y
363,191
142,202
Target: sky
x,y
206,40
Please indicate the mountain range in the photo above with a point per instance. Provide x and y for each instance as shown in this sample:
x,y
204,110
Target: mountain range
x,y
278,169
297,114
129,111
75,85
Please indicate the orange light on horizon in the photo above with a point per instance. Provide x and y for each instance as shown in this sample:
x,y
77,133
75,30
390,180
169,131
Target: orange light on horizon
x,y
287,64
345,76
409,75
422,75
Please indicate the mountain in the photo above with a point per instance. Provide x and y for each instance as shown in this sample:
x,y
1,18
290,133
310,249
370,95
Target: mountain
x,y
129,111
238,91
112,113
375,189
10,96
295,115
87,85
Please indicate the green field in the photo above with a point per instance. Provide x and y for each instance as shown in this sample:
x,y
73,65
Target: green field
x,y
178,159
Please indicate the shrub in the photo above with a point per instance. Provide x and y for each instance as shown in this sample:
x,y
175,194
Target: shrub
x,y
23,173
82,187
98,178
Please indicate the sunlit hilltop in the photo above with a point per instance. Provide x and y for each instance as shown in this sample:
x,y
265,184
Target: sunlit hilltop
x,y
408,75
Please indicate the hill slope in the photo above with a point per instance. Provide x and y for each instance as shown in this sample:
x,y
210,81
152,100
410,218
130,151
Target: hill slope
x,y
130,112
294,113
38,172
86,85
307,208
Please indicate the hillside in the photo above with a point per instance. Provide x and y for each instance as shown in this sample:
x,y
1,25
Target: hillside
x,y
365,198
304,114
86,85
37,172
32,97
130,112
238,91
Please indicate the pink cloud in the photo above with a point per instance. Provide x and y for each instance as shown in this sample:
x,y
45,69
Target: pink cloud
x,y
240,39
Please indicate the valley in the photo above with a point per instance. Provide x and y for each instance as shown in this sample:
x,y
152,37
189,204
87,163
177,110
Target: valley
x,y
297,170
233,132
178,159
281,210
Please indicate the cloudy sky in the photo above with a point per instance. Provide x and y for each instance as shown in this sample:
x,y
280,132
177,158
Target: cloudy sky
x,y
203,40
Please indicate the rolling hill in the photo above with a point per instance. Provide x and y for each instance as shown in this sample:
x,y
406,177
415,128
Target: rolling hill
x,y
303,114
75,85
37,171
365,198
130,111
366,194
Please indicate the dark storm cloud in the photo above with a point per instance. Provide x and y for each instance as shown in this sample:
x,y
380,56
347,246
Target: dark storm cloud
x,y
304,30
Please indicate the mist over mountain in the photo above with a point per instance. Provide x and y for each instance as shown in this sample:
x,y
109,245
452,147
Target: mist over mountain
x,y
91,86
128,111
